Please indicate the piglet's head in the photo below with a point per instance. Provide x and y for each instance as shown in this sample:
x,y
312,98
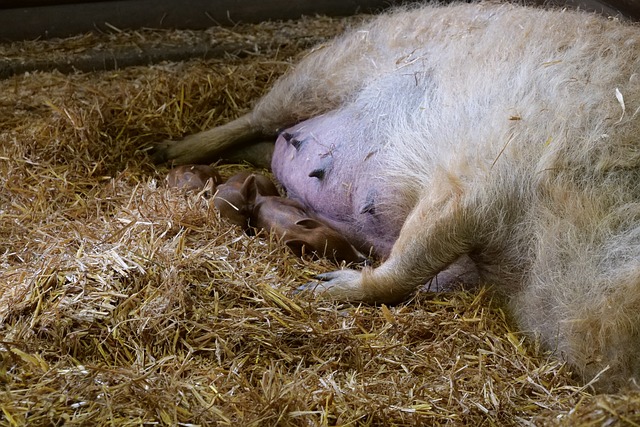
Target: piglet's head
x,y
263,185
312,236
236,198
193,177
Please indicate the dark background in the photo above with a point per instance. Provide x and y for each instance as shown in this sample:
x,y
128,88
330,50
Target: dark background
x,y
32,19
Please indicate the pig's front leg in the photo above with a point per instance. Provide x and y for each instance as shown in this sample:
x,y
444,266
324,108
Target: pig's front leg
x,y
434,236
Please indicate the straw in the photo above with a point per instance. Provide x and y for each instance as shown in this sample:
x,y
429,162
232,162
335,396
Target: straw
x,y
123,302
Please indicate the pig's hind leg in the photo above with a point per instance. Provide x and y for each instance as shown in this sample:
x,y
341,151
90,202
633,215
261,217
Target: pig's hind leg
x,y
204,147
321,82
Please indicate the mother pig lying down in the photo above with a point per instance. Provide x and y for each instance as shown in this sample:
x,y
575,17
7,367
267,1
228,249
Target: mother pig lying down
x,y
498,132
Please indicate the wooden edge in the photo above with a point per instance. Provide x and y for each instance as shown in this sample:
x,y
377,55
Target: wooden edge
x,y
69,19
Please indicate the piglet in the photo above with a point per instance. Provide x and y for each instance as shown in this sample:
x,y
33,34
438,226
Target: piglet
x,y
232,203
288,221
252,207
192,177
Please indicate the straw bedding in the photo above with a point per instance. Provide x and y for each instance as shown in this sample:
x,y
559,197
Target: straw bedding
x,y
124,302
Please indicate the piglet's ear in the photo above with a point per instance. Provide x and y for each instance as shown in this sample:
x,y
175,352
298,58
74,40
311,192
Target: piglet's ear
x,y
309,223
249,189
296,246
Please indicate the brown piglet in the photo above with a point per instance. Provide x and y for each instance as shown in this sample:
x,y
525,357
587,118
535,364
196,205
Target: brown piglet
x,y
232,203
287,220
193,177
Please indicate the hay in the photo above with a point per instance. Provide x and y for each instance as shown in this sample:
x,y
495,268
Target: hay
x,y
123,302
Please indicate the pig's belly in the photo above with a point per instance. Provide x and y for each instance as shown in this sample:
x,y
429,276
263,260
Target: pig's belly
x,y
337,171
331,166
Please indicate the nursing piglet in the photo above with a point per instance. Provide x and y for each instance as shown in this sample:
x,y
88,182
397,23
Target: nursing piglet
x,y
288,220
231,201
248,200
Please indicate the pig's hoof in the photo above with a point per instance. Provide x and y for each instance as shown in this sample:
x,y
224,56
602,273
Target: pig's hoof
x,y
160,151
343,285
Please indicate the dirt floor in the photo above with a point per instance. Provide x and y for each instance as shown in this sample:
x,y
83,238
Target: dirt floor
x,y
124,302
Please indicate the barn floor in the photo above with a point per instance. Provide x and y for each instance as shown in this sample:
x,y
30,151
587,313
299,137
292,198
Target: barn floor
x,y
123,302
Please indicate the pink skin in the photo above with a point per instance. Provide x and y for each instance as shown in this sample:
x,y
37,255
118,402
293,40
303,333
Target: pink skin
x,y
321,165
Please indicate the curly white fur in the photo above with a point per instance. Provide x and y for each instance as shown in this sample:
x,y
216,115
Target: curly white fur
x,y
507,133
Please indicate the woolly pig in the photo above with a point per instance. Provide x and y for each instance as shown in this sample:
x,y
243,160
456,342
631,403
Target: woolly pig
x,y
501,132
